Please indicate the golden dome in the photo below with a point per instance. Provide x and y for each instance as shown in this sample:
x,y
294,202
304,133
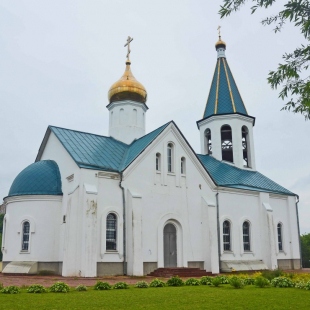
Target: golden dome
x,y
127,88
220,43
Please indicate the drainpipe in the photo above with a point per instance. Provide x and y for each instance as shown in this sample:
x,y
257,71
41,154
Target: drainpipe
x,y
218,229
124,225
300,251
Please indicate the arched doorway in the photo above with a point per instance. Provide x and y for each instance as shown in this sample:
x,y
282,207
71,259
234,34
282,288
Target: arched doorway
x,y
170,246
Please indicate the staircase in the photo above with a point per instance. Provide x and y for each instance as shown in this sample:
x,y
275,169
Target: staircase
x,y
179,271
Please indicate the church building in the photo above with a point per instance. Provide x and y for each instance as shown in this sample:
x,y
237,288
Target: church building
x,y
132,202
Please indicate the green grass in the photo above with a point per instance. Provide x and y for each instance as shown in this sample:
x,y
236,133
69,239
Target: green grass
x,y
185,297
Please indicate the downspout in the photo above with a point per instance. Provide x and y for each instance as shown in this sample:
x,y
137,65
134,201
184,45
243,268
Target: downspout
x,y
300,251
124,224
218,229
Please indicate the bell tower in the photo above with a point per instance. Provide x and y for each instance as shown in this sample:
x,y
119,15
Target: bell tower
x,y
226,129
127,106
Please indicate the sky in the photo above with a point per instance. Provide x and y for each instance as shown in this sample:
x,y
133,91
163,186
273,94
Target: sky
x,y
59,58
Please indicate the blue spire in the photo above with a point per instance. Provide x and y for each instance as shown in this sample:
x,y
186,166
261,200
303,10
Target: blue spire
x,y
224,96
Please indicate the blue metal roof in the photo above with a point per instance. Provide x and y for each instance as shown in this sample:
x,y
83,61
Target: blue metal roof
x,y
40,178
99,152
229,176
224,96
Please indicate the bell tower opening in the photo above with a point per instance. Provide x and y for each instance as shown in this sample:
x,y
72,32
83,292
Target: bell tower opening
x,y
245,146
227,144
208,142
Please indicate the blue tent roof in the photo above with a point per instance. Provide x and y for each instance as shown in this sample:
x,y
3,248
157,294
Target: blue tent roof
x,y
229,176
40,178
99,152
224,96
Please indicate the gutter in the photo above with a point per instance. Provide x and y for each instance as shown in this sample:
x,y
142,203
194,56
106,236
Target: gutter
x,y
218,230
124,224
300,251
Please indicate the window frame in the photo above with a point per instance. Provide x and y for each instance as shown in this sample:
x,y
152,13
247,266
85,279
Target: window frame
x,y
158,162
247,247
114,231
280,236
183,166
229,249
25,237
170,158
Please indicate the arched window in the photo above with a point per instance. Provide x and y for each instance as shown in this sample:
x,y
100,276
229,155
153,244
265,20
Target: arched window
x,y
245,148
170,157
158,162
227,145
226,236
25,236
111,232
208,142
246,236
183,165
280,244
122,116
135,113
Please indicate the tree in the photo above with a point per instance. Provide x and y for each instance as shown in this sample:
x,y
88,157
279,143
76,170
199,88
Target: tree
x,y
305,250
291,75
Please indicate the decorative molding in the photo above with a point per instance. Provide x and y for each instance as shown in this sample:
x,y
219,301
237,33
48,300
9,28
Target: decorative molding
x,y
108,175
33,198
70,178
127,102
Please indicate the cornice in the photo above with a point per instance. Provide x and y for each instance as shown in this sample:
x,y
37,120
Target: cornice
x,y
11,199
114,104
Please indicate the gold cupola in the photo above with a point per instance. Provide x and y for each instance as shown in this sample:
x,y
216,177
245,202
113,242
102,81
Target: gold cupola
x,y
220,43
127,88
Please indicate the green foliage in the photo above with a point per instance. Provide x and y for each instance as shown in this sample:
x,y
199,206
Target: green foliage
x,y
175,281
224,279
236,282
206,280
102,286
248,281
261,282
305,250
36,289
10,290
282,282
271,274
292,75
216,281
81,288
192,281
59,287
142,284
120,285
157,283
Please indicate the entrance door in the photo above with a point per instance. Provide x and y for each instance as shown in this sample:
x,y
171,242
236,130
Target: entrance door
x,y
170,246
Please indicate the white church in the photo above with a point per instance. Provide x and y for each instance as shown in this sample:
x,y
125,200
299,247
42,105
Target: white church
x,y
131,202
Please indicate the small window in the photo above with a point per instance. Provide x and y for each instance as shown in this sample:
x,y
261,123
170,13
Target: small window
x,y
246,236
111,232
183,165
64,219
122,116
227,144
280,244
226,236
170,157
158,162
25,236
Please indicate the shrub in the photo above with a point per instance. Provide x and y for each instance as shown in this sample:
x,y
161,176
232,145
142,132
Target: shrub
x,y
141,284
157,283
236,282
301,285
271,274
307,286
81,288
1,286
206,280
36,289
120,285
261,282
192,281
248,281
175,281
102,286
224,279
10,290
216,281
282,282
59,287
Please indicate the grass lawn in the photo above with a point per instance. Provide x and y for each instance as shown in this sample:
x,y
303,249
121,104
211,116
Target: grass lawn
x,y
186,297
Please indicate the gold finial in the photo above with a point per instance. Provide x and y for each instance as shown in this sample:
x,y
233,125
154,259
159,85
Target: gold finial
x,y
219,31
129,39
220,42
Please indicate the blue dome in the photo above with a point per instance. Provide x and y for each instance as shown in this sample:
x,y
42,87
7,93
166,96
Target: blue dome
x,y
40,178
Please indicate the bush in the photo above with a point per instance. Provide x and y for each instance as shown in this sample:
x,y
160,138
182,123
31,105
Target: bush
x,y
224,279
59,287
261,282
192,282
307,286
10,290
157,283
36,289
216,281
81,288
236,282
282,282
271,274
102,286
301,285
175,281
206,280
248,281
141,284
120,285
